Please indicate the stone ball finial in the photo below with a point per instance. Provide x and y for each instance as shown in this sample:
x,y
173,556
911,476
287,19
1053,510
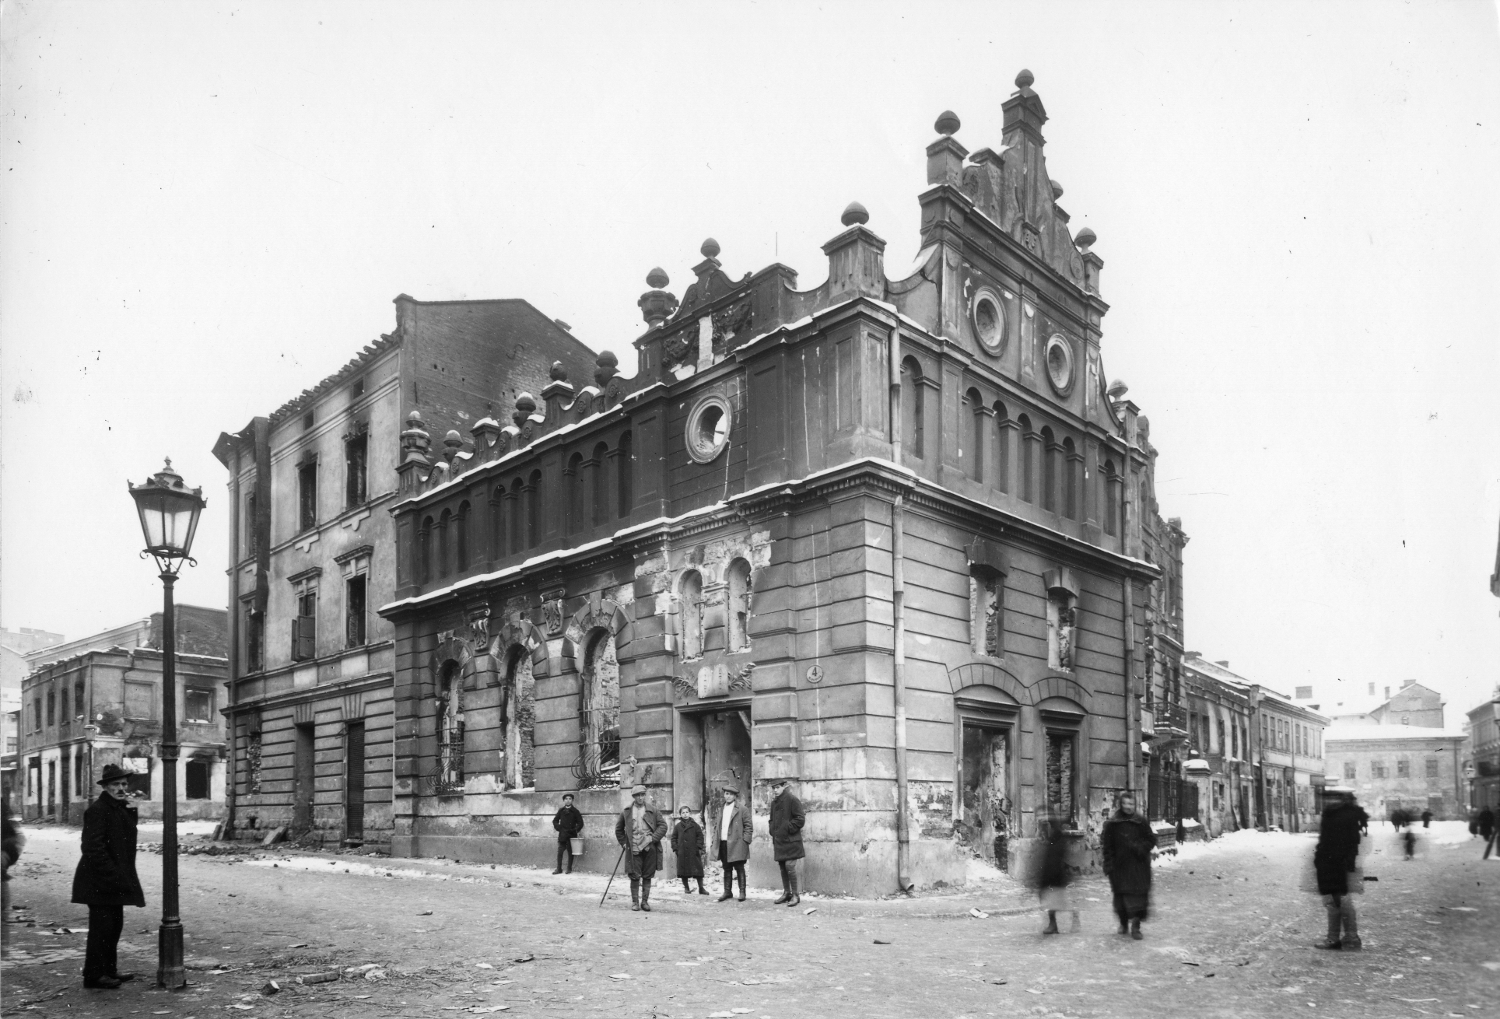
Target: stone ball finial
x,y
558,373
1117,390
1057,190
414,418
453,438
710,248
947,123
526,402
657,278
1025,79
1085,239
607,359
855,213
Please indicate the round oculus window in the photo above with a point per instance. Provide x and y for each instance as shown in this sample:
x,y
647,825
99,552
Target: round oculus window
x,y
1060,364
989,322
708,428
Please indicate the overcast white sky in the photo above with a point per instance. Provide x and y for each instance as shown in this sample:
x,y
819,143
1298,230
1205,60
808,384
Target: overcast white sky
x,y
208,207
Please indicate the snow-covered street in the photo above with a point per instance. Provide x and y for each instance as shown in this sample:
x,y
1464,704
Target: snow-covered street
x,y
1230,935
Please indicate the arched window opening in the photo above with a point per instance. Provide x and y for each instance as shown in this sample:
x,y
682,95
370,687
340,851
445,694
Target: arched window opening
x,y
461,538
573,482
912,396
973,440
600,493
534,510
424,551
444,563
1049,470
518,719
1110,494
1002,448
1070,479
739,606
625,469
599,755
517,511
450,729
1028,459
690,614
497,523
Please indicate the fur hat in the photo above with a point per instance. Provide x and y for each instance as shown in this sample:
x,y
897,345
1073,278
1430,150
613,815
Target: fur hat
x,y
113,773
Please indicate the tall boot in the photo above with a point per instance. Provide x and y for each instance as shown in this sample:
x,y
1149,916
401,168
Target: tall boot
x,y
1051,927
794,873
728,884
1351,928
635,895
701,889
786,885
646,895
687,889
741,878
1135,929
558,869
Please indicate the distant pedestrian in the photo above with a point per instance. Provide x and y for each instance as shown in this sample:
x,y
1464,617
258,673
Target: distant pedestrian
x,y
736,830
787,819
1053,877
11,846
639,831
1181,831
1486,826
105,880
1336,862
1364,820
568,823
1426,819
689,848
1473,824
1128,846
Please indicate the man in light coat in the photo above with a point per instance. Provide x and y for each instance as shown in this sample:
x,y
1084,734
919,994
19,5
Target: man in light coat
x,y
639,831
736,830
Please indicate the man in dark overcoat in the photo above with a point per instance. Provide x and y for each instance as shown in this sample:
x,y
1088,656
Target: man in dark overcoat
x,y
787,819
568,823
105,880
1128,845
1334,860
639,831
689,848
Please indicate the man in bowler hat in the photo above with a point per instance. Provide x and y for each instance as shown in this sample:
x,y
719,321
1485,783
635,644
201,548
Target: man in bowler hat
x,y
105,880
639,831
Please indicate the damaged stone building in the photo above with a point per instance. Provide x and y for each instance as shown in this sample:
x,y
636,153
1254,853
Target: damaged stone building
x,y
883,536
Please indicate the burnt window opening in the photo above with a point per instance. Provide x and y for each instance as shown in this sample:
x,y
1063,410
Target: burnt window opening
x,y
739,606
987,611
599,755
197,705
1109,491
80,706
139,777
356,474
354,611
358,388
255,639
51,708
307,420
252,762
450,729
197,775
625,470
519,719
1061,750
36,715
305,626
252,541
690,603
1062,631
307,495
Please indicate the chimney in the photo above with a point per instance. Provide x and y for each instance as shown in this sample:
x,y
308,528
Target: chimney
x,y
1372,689
1387,693
1406,683
1223,664
856,260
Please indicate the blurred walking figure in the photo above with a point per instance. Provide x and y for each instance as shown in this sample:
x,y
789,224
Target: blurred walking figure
x,y
1426,819
105,880
1487,830
1128,846
1336,862
787,819
1052,878
13,842
689,847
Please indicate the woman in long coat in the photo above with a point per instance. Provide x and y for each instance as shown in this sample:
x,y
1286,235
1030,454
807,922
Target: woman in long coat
x,y
688,845
1127,845
105,880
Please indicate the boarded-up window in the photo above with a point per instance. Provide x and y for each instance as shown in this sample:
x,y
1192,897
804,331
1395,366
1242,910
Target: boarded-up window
x,y
1060,753
140,700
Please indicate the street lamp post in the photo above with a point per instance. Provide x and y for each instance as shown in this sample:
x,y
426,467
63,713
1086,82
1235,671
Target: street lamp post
x,y
169,516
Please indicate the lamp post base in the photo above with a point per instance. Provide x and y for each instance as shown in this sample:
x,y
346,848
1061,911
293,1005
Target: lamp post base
x,y
170,972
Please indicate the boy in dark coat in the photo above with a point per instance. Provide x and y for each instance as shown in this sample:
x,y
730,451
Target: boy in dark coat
x,y
568,823
1128,845
1335,858
105,880
787,819
639,831
690,849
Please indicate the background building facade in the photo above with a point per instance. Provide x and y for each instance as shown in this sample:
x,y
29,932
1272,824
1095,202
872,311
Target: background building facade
x,y
882,536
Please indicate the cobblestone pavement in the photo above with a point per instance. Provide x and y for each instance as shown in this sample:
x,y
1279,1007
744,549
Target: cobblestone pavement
x,y
1230,936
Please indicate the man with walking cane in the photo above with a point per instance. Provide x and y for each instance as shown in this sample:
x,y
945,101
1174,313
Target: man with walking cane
x,y
639,832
